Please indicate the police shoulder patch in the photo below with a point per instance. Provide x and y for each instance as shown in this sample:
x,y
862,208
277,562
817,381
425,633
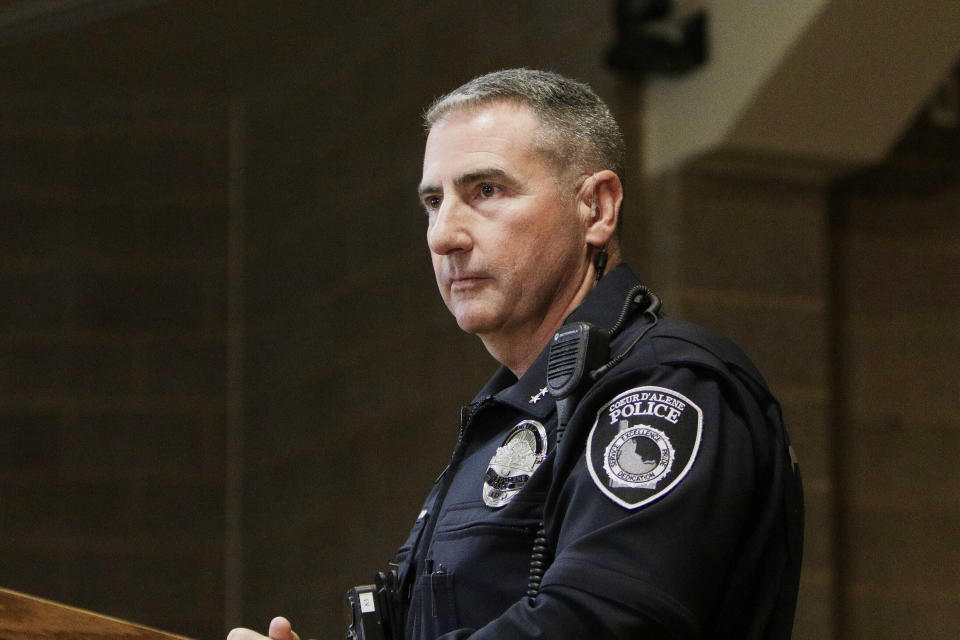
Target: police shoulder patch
x,y
642,444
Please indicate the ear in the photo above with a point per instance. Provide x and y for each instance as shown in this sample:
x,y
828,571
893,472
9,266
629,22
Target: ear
x,y
600,199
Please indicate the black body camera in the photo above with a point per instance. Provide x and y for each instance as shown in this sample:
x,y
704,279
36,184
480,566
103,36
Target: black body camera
x,y
375,610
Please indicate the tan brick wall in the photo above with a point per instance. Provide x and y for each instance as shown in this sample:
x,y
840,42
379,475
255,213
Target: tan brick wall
x,y
900,372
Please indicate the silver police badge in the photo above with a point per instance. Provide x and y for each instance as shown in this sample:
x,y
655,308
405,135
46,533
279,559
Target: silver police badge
x,y
642,444
522,451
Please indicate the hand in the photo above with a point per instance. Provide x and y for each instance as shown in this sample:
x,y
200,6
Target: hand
x,y
279,630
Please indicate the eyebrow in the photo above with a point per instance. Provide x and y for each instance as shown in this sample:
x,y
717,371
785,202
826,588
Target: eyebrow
x,y
467,178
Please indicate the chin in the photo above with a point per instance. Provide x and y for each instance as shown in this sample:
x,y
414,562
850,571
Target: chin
x,y
471,324
475,321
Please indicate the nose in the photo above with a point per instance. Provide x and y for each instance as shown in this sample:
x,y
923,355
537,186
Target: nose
x,y
449,229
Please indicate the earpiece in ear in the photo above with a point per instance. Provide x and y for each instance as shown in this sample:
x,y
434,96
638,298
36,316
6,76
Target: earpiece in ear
x,y
600,263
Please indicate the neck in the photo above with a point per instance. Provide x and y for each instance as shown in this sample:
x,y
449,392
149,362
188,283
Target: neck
x,y
517,351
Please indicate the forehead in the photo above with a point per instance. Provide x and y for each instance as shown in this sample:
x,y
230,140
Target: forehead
x,y
499,135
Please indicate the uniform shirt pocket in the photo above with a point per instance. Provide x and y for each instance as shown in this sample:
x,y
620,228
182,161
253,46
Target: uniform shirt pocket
x,y
485,555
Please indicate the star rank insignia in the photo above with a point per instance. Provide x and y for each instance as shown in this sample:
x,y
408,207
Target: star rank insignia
x,y
538,396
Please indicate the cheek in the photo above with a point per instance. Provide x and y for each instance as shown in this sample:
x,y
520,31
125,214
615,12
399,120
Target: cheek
x,y
437,262
556,245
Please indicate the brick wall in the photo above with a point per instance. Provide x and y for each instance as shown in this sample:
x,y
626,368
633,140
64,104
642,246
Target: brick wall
x,y
116,291
114,276
898,247
112,238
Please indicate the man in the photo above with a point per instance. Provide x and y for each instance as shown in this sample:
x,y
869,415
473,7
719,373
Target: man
x,y
658,500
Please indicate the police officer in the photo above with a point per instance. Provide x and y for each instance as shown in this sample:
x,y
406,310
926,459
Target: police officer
x,y
659,498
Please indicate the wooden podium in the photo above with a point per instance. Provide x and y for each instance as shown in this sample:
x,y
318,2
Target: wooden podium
x,y
24,617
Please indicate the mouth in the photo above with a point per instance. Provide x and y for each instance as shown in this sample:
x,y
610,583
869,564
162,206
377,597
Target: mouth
x,y
461,283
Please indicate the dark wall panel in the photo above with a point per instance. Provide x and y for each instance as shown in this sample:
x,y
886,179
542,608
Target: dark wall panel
x,y
112,236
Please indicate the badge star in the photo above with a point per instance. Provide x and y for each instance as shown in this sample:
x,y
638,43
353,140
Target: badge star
x,y
535,398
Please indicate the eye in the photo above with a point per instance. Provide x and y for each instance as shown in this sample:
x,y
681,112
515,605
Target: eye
x,y
432,203
487,190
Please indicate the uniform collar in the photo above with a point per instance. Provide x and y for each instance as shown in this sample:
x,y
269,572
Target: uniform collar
x,y
603,305
529,394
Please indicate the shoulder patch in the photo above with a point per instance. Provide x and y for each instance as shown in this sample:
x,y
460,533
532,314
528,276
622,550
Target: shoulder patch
x,y
642,444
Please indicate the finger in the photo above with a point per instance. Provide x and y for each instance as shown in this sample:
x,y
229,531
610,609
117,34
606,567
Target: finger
x,y
241,633
280,629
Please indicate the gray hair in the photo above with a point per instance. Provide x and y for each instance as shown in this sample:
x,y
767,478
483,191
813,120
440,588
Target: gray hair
x,y
578,131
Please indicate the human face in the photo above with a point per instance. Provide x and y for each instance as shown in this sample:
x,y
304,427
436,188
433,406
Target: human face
x,y
508,247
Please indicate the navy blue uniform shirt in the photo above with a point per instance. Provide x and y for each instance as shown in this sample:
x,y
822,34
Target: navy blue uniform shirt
x,y
672,510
